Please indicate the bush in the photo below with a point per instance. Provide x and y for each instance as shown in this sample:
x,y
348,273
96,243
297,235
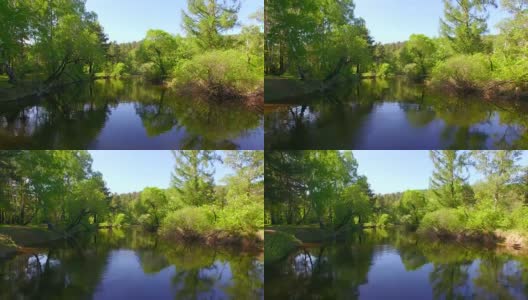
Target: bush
x,y
194,220
278,245
384,70
150,72
511,69
519,218
119,70
486,217
241,215
463,72
412,71
444,220
119,219
220,71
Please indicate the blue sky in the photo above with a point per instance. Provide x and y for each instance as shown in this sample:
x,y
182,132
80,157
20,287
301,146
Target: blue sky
x,y
396,20
132,171
397,171
129,20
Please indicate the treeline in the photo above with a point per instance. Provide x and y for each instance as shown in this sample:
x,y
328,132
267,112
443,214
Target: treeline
x,y
194,207
315,39
54,187
224,64
60,188
46,41
59,40
465,58
498,201
316,187
323,187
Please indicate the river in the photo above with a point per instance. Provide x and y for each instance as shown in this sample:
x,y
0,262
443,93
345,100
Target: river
x,y
127,114
130,264
397,265
394,114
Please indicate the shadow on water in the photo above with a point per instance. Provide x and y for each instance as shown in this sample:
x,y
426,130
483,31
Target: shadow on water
x,y
397,265
380,114
113,114
117,264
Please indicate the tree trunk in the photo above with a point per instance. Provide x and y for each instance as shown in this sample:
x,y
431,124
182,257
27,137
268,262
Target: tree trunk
x,y
10,73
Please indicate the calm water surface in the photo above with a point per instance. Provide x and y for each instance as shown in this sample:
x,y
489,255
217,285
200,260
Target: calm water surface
x,y
391,265
394,115
131,265
113,114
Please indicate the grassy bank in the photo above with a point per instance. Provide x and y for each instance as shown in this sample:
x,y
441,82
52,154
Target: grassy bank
x,y
278,245
284,88
218,238
13,238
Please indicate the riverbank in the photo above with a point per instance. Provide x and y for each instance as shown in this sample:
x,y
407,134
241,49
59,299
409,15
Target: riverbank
x,y
16,238
281,240
509,240
219,238
10,93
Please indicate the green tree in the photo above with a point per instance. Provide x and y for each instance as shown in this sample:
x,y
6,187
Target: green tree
x,y
193,176
501,170
464,24
206,20
449,177
421,50
159,47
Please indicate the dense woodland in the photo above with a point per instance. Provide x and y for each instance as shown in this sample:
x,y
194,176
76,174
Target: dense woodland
x,y
325,40
324,188
60,189
51,42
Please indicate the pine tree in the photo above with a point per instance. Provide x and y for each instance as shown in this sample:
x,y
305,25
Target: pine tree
x,y
193,176
448,181
464,23
206,20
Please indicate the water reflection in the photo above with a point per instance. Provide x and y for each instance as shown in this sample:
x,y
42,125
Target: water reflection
x,y
115,114
131,265
394,114
379,265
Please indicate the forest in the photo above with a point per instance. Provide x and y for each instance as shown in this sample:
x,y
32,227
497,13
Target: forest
x,y
45,44
320,195
60,191
326,42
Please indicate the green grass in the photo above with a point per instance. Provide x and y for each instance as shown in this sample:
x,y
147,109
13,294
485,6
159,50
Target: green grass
x,y
305,233
26,236
278,245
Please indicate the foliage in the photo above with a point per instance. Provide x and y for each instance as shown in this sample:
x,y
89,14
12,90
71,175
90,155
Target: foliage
x,y
197,220
205,20
220,71
278,245
463,72
315,39
444,220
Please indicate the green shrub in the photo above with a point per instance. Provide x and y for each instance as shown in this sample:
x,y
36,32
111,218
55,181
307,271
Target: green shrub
x,y
150,72
278,245
486,217
241,215
463,72
508,69
119,70
119,220
519,218
412,71
199,220
384,70
220,69
447,220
